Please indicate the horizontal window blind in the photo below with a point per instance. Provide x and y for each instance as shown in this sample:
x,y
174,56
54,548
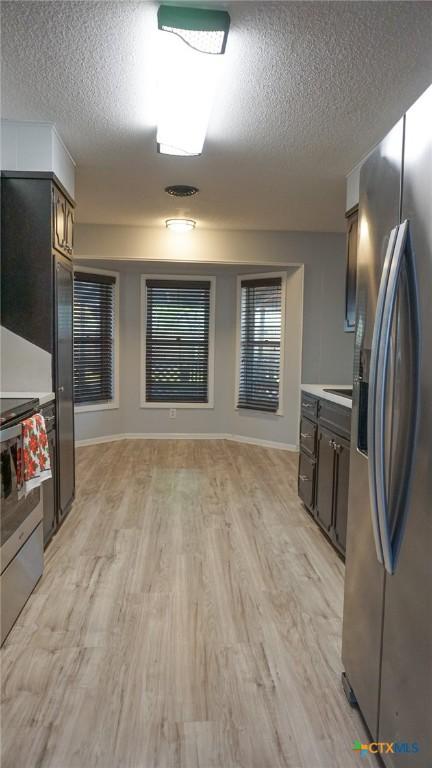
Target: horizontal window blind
x,y
93,325
260,344
177,341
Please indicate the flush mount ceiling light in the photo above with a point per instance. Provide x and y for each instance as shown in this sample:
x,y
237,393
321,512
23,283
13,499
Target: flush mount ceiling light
x,y
180,225
192,41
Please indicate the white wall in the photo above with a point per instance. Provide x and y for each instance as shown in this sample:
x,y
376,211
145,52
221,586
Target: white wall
x,y
327,350
23,365
28,146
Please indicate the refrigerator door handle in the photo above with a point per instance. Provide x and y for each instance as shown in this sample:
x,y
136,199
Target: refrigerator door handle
x,y
402,251
373,373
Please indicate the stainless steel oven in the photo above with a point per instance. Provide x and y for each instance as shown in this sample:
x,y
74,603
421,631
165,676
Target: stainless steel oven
x,y
21,527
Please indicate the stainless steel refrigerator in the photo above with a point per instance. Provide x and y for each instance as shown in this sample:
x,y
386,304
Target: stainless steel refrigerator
x,y
387,628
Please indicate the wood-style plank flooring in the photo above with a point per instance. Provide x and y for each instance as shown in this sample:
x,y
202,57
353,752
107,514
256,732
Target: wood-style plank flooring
x,y
189,616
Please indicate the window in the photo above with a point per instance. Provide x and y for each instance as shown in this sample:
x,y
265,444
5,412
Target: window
x,y
260,342
95,328
178,342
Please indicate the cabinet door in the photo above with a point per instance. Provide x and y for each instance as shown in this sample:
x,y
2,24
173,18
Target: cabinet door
x,y
69,230
306,481
59,220
341,492
64,382
351,270
325,479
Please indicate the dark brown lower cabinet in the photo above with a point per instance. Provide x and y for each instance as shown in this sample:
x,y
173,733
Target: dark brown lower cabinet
x,y
331,505
324,466
340,512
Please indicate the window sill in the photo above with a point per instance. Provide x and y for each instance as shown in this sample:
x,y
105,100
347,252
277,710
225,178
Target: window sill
x,y
257,410
97,407
177,406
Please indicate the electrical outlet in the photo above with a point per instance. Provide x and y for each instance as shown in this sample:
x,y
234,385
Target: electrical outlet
x,y
173,413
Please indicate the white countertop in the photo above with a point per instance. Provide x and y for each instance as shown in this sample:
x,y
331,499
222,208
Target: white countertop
x,y
318,390
43,397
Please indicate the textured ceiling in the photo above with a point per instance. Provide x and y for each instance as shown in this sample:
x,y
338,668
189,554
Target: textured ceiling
x,y
308,88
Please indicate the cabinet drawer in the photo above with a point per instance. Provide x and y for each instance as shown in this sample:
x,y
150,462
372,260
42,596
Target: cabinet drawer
x,y
335,417
309,405
306,480
308,432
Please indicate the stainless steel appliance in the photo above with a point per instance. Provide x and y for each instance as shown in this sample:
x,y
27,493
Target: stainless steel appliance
x,y
21,518
387,629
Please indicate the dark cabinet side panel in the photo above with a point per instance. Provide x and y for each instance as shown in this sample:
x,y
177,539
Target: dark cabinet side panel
x,y
26,284
64,384
49,491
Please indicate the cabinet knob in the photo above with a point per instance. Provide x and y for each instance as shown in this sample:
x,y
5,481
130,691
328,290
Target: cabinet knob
x,y
331,443
61,389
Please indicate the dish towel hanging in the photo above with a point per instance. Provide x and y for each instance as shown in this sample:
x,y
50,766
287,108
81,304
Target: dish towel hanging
x,y
36,460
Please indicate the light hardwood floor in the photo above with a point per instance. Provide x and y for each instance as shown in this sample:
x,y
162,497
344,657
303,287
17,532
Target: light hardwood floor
x,y
189,616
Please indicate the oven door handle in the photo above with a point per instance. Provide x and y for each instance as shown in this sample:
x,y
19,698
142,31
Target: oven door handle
x,y
10,433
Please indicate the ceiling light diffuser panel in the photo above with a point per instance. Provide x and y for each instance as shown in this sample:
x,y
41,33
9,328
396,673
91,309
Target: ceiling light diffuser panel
x,y
191,46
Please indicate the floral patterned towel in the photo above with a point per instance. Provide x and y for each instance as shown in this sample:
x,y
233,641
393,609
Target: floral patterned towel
x,y
36,460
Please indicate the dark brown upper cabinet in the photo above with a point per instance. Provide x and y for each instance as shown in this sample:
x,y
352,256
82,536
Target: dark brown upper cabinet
x,y
36,225
70,223
63,223
351,268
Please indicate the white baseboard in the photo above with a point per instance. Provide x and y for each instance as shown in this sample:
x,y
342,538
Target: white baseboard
x,y
262,443
151,436
185,436
96,440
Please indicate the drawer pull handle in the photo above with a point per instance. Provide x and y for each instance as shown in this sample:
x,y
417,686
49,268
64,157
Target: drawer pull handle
x,y
303,478
305,434
307,405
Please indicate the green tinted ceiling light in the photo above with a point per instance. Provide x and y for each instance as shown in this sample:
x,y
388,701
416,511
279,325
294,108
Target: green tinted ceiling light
x,y
192,41
204,30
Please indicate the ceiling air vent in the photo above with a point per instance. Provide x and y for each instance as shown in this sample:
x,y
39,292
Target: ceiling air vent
x,y
181,190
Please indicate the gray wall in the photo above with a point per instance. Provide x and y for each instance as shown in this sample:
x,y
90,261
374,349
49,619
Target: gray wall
x,y
327,350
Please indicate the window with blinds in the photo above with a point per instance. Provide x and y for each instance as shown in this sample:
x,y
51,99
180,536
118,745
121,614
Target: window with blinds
x,y
177,316
93,326
260,343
